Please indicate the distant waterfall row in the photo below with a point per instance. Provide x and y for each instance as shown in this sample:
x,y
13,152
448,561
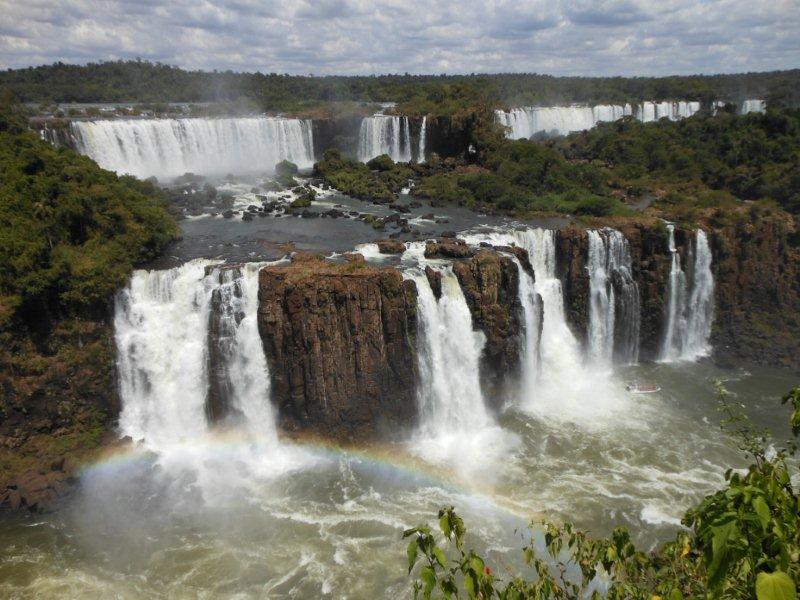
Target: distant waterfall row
x,y
525,122
690,302
166,148
188,350
391,135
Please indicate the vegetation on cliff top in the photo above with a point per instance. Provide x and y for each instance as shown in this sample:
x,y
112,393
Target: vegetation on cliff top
x,y
142,81
748,157
741,542
70,232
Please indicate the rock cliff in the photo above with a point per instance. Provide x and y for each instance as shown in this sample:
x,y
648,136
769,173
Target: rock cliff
x,y
340,343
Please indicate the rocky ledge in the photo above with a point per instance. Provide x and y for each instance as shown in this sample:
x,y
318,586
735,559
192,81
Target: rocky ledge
x,y
340,339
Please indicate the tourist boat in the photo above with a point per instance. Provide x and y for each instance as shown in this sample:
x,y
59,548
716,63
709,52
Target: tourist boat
x,y
642,388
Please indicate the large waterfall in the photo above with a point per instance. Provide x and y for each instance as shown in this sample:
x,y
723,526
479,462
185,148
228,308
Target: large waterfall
x,y
690,302
167,148
174,330
614,315
525,122
384,134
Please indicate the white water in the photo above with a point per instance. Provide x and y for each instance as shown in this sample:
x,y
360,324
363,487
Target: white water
x,y
423,137
612,290
384,134
450,397
690,308
162,330
749,106
245,366
166,148
701,302
561,120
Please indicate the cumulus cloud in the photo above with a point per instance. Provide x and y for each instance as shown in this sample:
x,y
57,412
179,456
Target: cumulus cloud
x,y
565,37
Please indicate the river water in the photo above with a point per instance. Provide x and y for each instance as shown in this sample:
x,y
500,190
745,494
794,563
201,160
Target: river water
x,y
243,514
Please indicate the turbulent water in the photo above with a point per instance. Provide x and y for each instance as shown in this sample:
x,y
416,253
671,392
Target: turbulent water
x,y
200,511
522,123
383,134
166,148
176,328
690,302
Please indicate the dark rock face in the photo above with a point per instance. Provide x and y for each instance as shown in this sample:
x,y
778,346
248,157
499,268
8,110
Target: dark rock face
x,y
756,278
447,136
340,342
40,490
490,283
56,404
338,132
448,248
757,290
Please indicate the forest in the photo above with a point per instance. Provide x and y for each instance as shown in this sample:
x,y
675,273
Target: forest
x,y
142,81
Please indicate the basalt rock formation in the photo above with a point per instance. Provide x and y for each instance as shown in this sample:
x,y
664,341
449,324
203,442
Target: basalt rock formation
x,y
490,282
757,284
340,343
756,278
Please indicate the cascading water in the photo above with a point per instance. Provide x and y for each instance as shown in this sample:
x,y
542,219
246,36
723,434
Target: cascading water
x,y
690,310
384,134
241,367
614,315
525,122
171,147
449,360
423,136
750,106
162,330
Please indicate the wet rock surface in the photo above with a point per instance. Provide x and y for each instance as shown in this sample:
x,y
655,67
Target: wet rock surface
x,y
340,343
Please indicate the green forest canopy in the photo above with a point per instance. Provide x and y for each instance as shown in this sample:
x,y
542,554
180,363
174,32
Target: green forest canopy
x,y
141,81
70,232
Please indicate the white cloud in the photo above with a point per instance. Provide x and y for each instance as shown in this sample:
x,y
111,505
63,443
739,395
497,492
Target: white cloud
x,y
569,37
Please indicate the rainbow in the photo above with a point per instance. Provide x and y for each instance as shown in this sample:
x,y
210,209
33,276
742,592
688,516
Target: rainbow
x,y
379,458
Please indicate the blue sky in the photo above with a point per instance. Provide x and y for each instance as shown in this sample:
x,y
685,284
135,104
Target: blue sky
x,y
569,37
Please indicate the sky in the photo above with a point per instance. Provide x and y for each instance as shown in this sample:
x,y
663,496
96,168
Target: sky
x,y
560,37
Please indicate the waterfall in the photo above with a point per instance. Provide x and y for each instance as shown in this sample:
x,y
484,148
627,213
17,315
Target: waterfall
x,y
675,324
701,301
614,304
450,398
527,121
167,148
690,310
241,367
757,106
423,135
532,317
384,134
165,322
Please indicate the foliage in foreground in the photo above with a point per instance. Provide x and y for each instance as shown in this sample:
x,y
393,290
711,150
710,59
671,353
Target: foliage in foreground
x,y
741,542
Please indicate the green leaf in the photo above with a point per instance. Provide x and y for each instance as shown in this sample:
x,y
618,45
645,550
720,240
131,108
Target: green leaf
x,y
775,586
429,578
411,552
440,557
763,512
722,538
675,594
444,525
